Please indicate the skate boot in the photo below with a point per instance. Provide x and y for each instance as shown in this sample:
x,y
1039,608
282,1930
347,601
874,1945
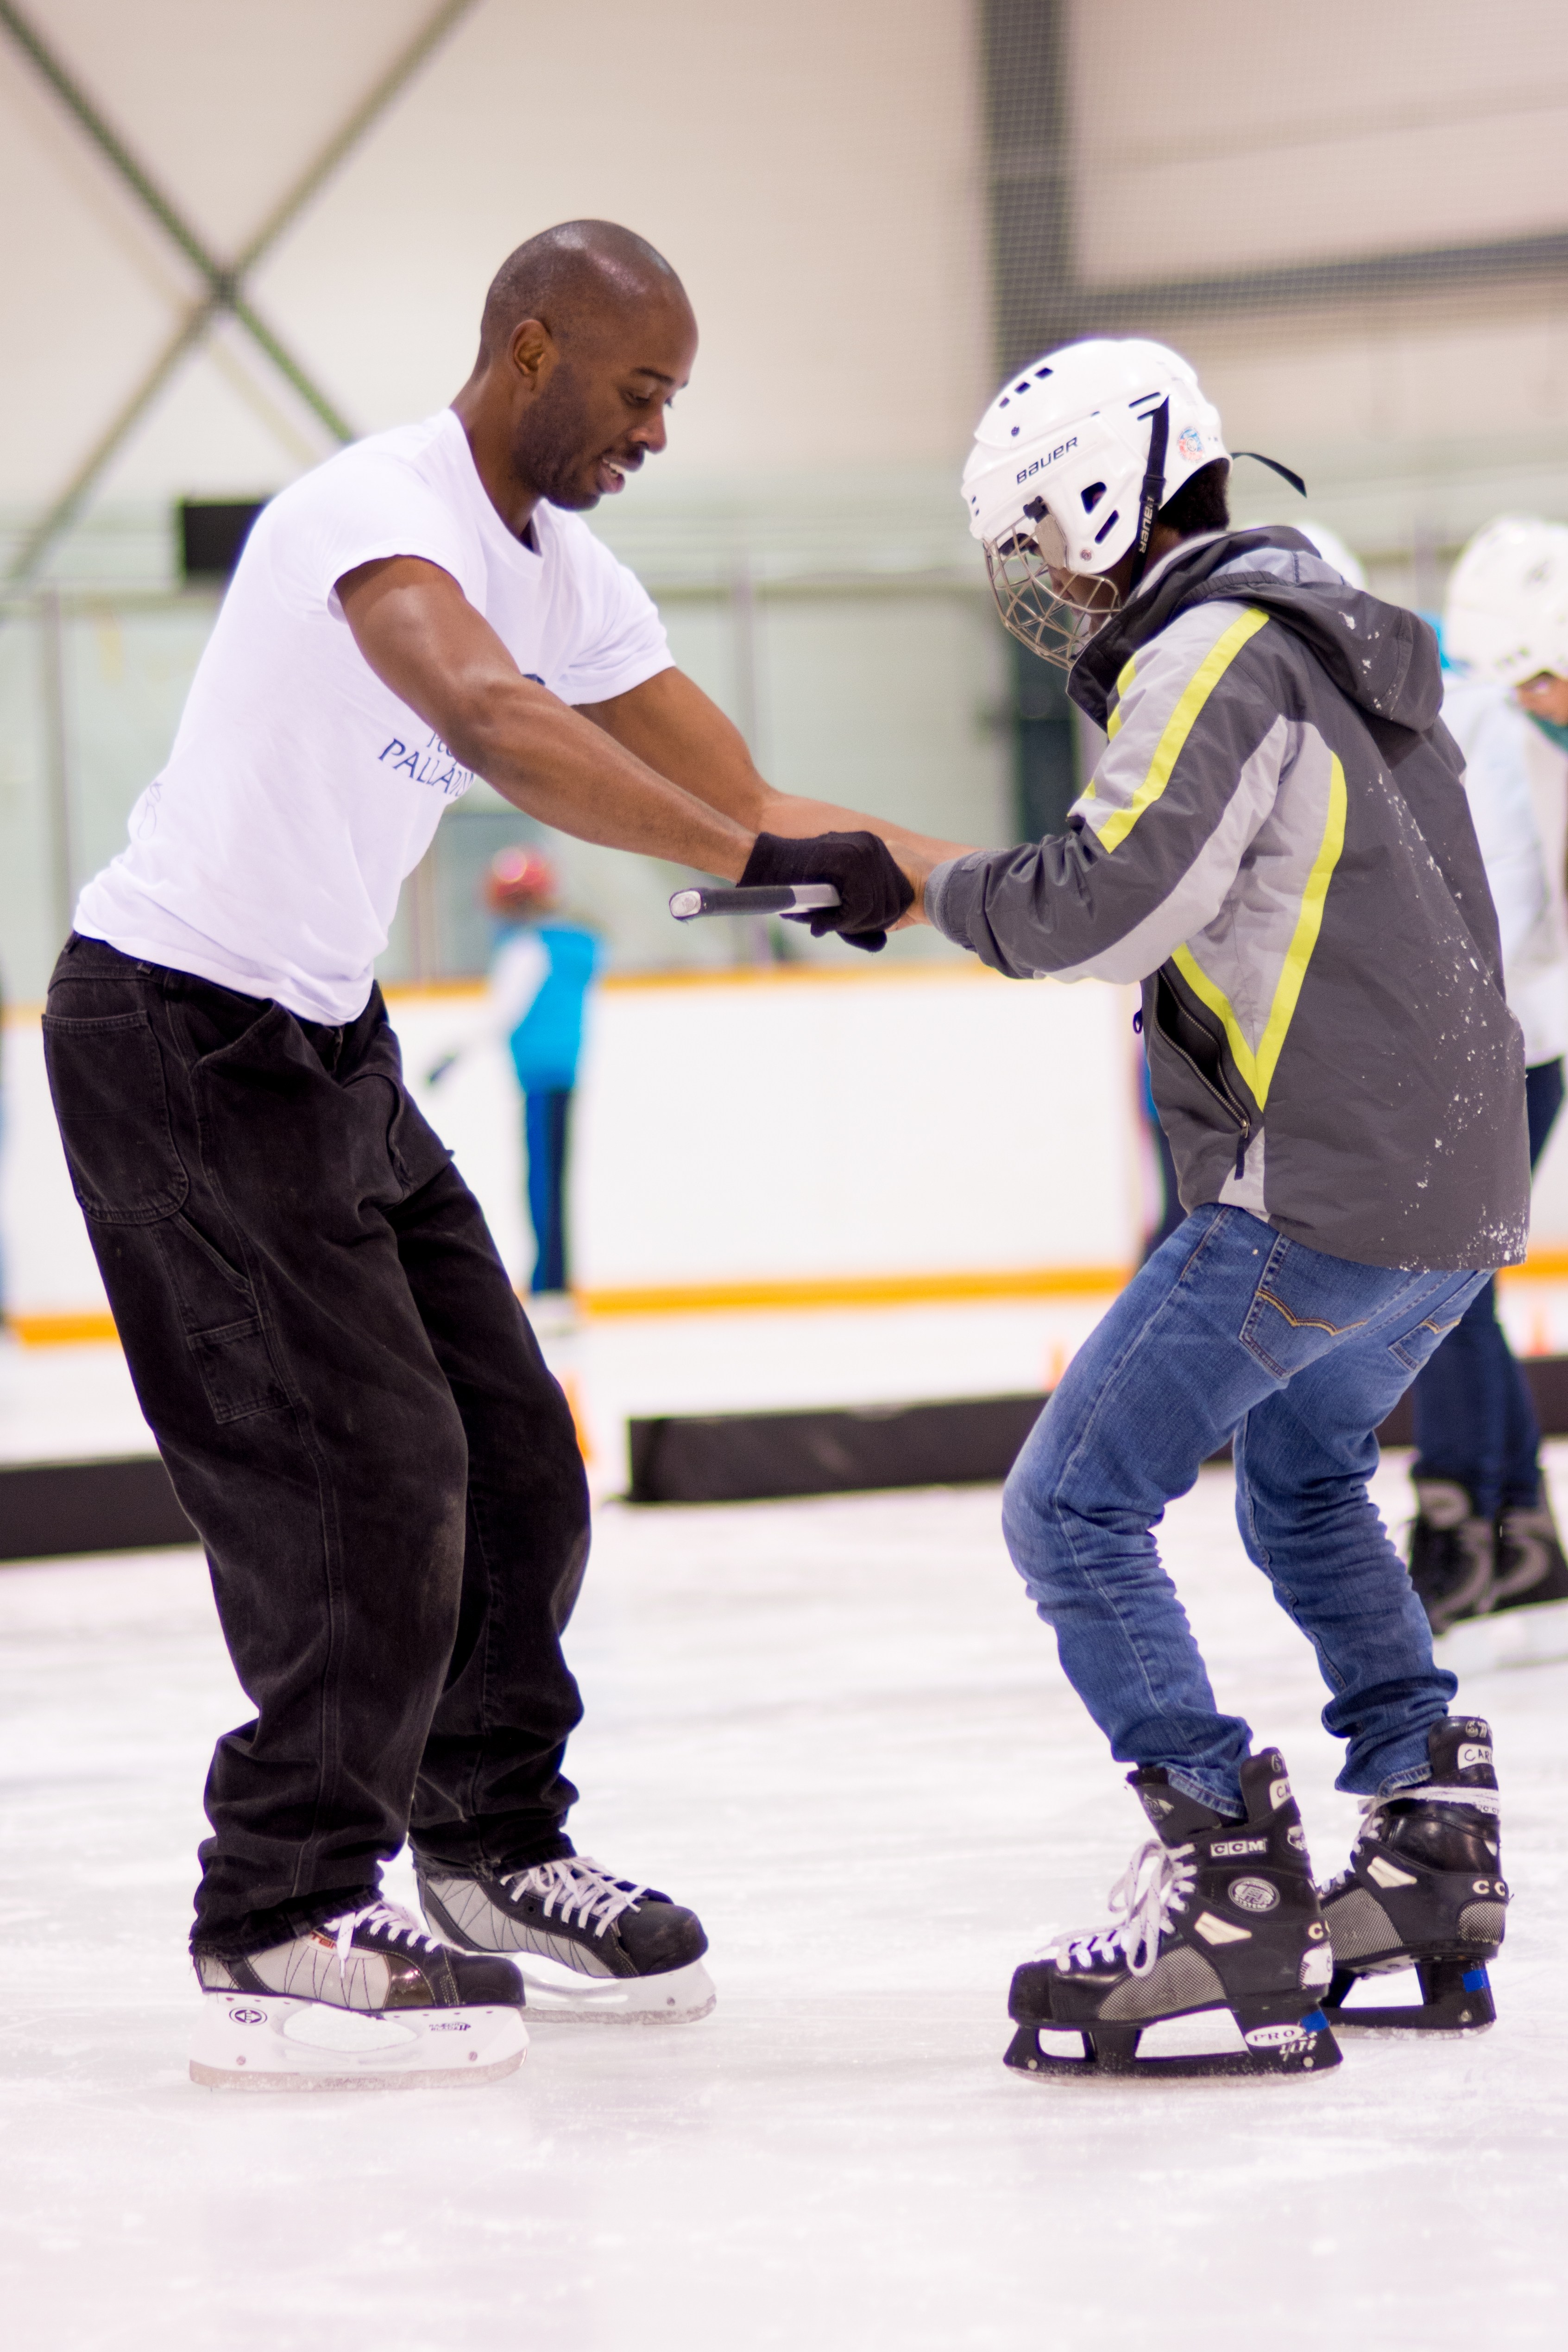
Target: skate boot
x,y
365,2001
1424,1892
1531,1568
1453,1553
1211,1914
588,1944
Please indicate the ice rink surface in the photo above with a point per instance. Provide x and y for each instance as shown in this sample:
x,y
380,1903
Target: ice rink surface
x,y
836,1728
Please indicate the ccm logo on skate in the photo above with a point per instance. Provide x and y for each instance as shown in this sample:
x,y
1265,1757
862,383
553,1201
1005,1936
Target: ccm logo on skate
x,y
1470,1756
1252,1894
1233,1848
1275,2037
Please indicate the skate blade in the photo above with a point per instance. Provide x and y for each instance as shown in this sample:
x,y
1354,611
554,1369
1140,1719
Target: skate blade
x,y
247,2041
1456,2001
1306,2047
1532,1633
559,1995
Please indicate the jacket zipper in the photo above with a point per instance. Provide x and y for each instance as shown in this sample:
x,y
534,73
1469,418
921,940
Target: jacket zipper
x,y
1225,1099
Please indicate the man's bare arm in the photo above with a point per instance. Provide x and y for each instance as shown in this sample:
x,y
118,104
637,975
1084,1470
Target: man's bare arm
x,y
670,724
425,641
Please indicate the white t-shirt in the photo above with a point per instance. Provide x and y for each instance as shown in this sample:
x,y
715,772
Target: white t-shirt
x,y
269,853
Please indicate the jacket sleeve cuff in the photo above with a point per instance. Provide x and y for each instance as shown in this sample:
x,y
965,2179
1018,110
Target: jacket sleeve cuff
x,y
950,892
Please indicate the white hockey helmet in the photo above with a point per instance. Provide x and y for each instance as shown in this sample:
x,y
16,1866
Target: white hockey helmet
x,y
1506,617
1071,462
1333,551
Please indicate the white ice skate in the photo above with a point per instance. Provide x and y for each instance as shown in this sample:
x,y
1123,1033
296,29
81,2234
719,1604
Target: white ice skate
x,y
591,1947
368,2002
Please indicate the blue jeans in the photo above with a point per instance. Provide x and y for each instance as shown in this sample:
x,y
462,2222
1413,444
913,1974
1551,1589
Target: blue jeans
x,y
1474,1417
1231,1331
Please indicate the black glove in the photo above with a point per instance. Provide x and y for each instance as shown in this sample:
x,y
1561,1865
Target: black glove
x,y
873,890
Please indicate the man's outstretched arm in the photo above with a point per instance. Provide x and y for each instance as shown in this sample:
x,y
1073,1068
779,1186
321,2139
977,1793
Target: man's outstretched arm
x,y
670,724
425,641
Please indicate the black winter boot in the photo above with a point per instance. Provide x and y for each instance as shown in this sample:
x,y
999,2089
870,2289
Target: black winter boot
x,y
1531,1567
1211,1914
1453,1553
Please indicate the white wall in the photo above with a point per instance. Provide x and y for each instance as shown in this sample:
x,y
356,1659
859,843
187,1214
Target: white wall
x,y
792,1129
812,173
1229,136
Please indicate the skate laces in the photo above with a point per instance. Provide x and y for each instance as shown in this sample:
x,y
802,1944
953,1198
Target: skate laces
x,y
389,1919
1154,1886
577,1884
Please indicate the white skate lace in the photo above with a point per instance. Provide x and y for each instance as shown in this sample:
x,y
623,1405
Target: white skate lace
x,y
577,1884
388,1920
1150,1890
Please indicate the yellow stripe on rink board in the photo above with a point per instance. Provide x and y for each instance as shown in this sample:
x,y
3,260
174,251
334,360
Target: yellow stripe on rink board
x,y
832,1290
706,1297
858,1290
60,1330
1180,724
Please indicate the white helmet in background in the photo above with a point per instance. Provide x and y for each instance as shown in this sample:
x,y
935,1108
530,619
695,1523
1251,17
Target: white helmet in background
x,y
1506,618
1071,462
1333,551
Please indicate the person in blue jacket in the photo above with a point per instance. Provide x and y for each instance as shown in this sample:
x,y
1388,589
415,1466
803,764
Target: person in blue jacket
x,y
539,983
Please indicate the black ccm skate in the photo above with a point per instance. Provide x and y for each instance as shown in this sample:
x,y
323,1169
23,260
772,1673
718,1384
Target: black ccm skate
x,y
1424,1891
1211,1914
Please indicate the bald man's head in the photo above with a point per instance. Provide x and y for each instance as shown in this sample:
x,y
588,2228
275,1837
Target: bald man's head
x,y
571,278
586,338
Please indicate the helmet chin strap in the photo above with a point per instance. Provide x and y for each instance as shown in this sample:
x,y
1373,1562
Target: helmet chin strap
x,y
1152,497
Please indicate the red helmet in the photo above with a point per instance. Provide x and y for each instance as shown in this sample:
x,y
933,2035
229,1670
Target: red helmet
x,y
518,881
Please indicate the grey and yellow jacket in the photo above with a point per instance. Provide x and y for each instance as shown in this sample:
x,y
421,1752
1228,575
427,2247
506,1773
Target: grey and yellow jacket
x,y
1277,843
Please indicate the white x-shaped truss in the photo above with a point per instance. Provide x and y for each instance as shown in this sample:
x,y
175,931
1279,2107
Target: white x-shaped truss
x,y
224,293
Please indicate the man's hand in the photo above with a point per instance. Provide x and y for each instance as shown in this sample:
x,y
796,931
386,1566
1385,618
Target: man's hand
x,y
872,891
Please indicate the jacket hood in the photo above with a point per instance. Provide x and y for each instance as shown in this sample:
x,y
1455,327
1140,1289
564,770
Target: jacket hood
x,y
1380,656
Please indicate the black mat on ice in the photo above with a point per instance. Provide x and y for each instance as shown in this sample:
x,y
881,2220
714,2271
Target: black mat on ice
x,y
48,1508
742,1457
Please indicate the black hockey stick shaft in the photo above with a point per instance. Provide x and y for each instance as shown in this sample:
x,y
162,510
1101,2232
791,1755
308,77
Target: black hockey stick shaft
x,y
763,898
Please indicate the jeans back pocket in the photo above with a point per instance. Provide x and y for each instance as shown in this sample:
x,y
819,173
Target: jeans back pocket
x,y
106,1075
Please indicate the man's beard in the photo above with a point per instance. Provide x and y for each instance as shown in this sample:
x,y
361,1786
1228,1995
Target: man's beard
x,y
549,451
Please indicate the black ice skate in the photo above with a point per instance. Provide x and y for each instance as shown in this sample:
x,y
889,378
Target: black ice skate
x,y
588,1946
366,2001
1211,1914
1453,1553
1424,1891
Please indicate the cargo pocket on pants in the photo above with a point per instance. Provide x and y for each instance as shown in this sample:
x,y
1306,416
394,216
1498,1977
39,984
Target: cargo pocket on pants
x,y
224,1329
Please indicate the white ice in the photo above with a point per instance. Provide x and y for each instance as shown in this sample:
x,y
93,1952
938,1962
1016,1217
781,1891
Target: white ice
x,y
836,1728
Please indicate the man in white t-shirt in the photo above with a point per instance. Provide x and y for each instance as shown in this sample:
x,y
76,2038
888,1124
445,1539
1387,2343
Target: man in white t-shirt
x,y
353,1407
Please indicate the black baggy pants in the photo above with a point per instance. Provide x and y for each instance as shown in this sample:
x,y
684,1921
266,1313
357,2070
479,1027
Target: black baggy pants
x,y
358,1422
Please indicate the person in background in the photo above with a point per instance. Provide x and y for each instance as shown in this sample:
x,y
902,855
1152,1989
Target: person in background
x,y
1484,1538
539,983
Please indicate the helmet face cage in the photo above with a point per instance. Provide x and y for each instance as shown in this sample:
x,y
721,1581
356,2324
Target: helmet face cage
x,y
1053,625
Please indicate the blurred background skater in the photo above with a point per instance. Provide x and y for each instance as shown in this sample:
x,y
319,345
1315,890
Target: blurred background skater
x,y
1485,1538
539,978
